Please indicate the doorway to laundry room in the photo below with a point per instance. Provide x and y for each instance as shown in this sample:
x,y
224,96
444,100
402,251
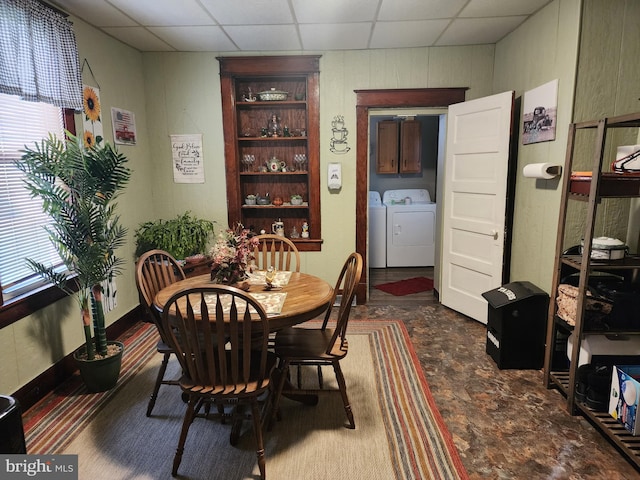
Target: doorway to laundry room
x,y
405,151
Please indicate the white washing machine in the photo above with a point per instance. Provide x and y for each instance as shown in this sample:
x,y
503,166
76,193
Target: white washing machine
x,y
411,228
377,231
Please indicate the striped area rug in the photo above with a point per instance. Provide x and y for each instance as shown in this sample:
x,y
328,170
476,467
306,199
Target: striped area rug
x,y
54,421
399,432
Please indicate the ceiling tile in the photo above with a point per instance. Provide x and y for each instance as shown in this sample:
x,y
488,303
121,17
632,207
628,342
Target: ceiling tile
x,y
264,37
139,38
407,34
419,9
293,25
477,31
96,12
335,11
343,36
502,8
168,13
245,12
195,39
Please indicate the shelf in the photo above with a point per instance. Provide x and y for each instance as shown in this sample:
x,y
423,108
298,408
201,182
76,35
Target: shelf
x,y
272,104
570,328
631,120
627,263
243,125
589,187
615,431
277,174
561,380
275,207
272,139
612,185
608,425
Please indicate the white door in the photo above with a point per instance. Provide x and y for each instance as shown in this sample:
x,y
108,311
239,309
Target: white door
x,y
475,191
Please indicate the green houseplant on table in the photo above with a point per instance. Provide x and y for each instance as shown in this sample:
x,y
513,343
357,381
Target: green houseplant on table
x,y
78,188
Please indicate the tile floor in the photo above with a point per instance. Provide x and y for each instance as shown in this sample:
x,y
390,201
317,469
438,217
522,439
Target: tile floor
x,y
505,423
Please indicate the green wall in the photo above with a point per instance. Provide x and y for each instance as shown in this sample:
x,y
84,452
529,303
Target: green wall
x,y
31,345
543,49
183,96
607,85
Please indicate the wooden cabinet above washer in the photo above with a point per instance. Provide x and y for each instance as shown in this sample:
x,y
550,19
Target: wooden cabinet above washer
x,y
398,147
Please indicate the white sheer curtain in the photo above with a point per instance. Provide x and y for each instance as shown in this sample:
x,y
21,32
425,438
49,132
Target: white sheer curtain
x,y
39,55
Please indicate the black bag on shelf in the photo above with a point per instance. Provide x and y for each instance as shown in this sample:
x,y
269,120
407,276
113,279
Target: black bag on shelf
x,y
625,311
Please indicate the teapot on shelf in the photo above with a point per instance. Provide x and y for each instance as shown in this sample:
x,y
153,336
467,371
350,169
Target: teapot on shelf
x,y
275,165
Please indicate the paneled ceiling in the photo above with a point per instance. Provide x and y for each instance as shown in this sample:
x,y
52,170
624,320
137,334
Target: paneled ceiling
x,y
301,25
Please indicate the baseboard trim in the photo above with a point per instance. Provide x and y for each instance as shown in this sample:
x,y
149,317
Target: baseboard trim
x,y
47,381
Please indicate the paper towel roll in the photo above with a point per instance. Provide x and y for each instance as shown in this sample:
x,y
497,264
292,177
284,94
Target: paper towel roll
x,y
541,170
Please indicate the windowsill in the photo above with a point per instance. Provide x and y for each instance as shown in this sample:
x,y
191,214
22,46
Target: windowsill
x,y
28,303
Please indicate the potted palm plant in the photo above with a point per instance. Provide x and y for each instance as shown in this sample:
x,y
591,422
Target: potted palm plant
x,y
78,187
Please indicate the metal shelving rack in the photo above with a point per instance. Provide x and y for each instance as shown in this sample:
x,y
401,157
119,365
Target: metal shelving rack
x,y
591,189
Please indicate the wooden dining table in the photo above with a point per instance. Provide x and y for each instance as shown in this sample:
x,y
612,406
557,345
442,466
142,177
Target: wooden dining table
x,y
307,296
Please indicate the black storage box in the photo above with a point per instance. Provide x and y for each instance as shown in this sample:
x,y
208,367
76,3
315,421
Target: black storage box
x,y
517,324
12,437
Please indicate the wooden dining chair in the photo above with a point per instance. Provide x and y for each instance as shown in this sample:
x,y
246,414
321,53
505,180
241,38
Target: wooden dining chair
x,y
220,336
276,251
324,346
155,270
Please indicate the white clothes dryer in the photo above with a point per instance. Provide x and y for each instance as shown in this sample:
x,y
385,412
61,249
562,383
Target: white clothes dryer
x,y
411,228
377,231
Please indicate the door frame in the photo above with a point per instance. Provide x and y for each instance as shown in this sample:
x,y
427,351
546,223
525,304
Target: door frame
x,y
394,98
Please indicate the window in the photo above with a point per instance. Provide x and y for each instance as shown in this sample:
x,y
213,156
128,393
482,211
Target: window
x,y
22,222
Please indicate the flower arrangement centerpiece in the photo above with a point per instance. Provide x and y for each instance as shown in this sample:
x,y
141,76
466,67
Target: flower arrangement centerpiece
x,y
232,254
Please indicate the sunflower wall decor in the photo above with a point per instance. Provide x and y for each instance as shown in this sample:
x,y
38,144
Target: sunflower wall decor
x,y
91,116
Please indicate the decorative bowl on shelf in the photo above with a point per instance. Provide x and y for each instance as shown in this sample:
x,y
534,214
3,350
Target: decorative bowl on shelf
x,y
272,95
250,200
264,200
296,200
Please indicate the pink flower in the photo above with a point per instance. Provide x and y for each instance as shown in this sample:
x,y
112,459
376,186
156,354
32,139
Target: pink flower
x,y
232,253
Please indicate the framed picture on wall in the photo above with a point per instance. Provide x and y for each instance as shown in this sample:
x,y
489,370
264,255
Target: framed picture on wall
x,y
124,126
540,113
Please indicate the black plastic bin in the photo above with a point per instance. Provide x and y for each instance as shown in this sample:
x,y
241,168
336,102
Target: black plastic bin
x,y
12,437
516,325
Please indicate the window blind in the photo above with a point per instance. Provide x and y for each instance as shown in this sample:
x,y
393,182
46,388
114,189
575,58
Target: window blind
x,y
22,222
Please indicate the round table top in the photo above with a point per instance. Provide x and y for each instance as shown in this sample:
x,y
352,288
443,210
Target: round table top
x,y
307,297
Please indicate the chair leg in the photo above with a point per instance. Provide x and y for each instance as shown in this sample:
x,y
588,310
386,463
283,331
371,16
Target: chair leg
x,y
159,378
284,372
236,424
186,423
343,391
257,430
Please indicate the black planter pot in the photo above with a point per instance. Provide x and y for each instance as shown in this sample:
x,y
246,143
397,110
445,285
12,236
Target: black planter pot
x,y
102,374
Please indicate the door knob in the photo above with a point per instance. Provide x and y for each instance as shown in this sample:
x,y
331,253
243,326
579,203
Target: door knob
x,y
494,234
